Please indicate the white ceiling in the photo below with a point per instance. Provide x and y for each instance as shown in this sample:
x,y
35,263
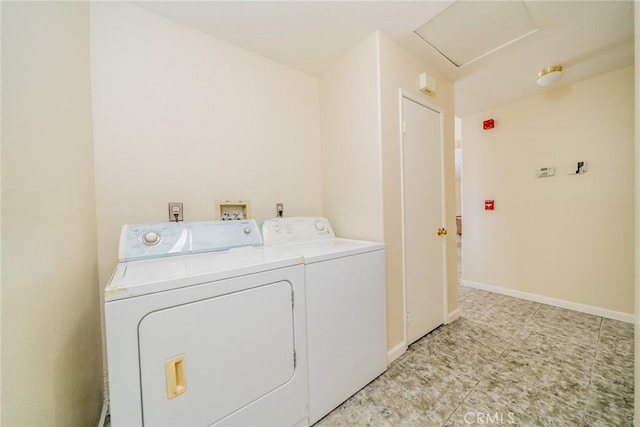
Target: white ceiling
x,y
587,37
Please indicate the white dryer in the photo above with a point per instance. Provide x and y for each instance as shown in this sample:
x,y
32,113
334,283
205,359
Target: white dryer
x,y
346,307
205,338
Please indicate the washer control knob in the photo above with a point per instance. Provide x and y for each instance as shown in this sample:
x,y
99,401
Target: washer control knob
x,y
319,226
151,238
247,230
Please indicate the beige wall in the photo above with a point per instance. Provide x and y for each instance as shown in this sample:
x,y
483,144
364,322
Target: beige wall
x,y
351,163
567,237
400,70
637,216
181,116
458,163
361,163
0,217
50,311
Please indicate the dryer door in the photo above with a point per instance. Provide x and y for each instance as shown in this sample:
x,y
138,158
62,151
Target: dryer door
x,y
202,361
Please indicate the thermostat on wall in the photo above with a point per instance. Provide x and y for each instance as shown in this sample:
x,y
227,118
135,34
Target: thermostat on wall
x,y
542,172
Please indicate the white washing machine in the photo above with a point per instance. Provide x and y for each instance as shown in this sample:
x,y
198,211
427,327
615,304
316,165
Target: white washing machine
x,y
346,307
204,329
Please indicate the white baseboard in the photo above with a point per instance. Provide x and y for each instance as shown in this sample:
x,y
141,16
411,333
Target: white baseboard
x,y
396,352
584,308
452,316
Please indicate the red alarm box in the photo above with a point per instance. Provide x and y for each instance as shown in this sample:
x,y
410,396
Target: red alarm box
x,y
488,124
489,205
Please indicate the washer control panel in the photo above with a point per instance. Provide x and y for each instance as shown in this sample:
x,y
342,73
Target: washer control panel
x,y
138,241
296,229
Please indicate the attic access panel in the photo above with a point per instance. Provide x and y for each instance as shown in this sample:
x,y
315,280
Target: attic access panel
x,y
468,30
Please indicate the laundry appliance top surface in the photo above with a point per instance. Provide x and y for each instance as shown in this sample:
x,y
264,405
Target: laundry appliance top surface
x,y
311,237
161,257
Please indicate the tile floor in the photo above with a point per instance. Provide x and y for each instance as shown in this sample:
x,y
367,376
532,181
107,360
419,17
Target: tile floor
x,y
505,361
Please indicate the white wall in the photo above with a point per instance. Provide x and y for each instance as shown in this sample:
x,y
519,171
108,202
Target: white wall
x,y
181,116
51,352
568,237
351,159
458,164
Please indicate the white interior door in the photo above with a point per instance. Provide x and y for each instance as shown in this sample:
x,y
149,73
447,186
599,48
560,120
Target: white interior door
x,y
423,216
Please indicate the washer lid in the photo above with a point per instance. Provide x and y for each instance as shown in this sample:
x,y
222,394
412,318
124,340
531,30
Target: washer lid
x,y
135,278
323,250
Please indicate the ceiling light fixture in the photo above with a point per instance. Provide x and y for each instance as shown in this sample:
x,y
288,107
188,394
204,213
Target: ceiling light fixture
x,y
549,75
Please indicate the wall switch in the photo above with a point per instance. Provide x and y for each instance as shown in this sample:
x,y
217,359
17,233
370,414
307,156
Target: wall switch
x,y
176,212
578,168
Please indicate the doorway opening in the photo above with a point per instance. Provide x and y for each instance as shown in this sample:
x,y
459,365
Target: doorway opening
x,y
458,165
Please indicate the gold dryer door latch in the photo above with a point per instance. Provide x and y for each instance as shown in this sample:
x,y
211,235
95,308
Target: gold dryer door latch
x,y
174,371
442,231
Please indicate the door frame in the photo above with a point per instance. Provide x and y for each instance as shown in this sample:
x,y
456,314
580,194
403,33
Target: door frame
x,y
402,93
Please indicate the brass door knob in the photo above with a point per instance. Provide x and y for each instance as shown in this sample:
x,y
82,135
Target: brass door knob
x,y
442,231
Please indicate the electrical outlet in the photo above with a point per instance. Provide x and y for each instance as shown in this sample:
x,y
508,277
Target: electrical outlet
x,y
279,209
176,212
